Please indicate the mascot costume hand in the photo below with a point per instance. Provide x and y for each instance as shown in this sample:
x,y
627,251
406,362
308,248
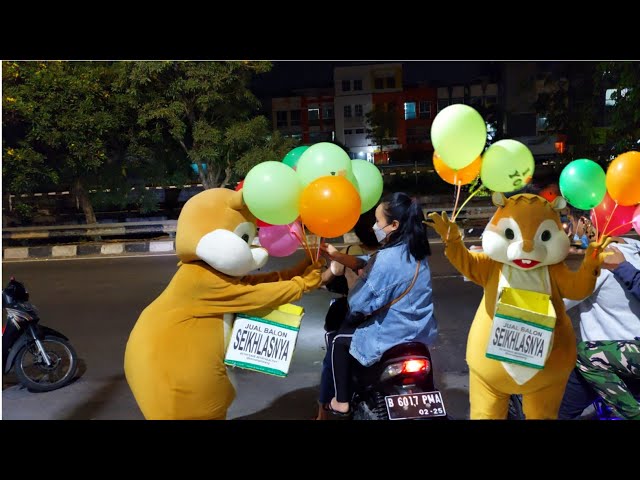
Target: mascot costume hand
x,y
524,247
175,352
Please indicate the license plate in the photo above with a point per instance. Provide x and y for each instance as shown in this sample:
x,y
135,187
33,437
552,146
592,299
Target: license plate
x,y
415,405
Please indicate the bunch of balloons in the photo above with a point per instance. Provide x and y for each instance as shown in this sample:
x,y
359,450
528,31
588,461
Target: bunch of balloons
x,y
613,197
317,186
459,135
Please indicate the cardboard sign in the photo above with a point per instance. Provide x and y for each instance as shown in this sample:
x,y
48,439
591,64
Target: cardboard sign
x,y
522,328
264,341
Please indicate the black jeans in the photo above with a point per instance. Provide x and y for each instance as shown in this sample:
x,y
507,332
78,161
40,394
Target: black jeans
x,y
578,395
339,343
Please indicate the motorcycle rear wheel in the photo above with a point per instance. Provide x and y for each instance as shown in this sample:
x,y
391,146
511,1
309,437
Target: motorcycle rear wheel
x,y
34,374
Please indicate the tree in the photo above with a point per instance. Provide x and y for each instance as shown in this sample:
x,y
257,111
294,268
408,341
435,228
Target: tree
x,y
382,125
208,110
624,115
58,117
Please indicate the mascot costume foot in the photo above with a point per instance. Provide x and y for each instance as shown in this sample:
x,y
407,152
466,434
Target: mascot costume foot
x,y
174,359
524,247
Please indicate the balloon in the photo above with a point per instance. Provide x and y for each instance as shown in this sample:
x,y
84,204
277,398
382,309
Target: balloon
x,y
507,165
550,192
272,192
458,134
323,159
623,176
330,206
462,176
636,219
603,218
368,183
281,240
582,183
259,222
293,156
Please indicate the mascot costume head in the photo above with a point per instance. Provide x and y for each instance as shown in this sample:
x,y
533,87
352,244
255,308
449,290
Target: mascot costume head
x,y
524,248
174,359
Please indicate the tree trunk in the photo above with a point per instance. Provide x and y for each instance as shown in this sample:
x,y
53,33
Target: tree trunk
x,y
84,201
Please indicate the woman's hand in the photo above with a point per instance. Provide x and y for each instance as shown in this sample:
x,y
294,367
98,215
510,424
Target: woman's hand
x,y
329,250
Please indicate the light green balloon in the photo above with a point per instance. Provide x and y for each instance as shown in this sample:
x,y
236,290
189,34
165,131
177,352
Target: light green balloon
x,y
321,160
370,183
458,134
272,192
507,166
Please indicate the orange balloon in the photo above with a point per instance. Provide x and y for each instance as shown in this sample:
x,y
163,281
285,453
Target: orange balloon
x,y
623,178
550,193
330,206
461,176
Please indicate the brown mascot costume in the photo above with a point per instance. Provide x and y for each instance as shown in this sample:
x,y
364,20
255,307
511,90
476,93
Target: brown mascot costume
x,y
174,359
524,247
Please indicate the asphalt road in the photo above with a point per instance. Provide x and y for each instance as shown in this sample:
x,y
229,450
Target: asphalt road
x,y
95,302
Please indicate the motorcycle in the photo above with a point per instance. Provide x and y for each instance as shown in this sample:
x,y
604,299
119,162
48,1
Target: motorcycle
x,y
398,387
602,410
43,359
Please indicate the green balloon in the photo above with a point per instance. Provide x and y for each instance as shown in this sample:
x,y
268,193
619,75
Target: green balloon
x,y
507,166
272,192
458,134
369,181
293,156
583,184
321,160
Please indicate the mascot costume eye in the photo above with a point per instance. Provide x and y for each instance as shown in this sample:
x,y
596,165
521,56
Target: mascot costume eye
x,y
174,358
524,247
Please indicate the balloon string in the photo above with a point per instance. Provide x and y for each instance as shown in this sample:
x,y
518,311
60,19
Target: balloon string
x,y
619,226
304,243
301,242
465,202
318,252
604,230
453,214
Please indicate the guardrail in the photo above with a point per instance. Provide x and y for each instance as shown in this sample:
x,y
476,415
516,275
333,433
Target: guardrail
x,y
168,227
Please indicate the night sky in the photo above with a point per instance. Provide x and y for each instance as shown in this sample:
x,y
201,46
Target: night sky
x,y
288,75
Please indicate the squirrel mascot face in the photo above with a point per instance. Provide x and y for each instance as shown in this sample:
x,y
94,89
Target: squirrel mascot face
x,y
526,232
215,226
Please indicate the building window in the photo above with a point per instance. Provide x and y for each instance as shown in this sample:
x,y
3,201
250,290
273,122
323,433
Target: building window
x,y
359,131
443,103
347,111
358,110
457,100
391,82
419,134
541,123
410,110
425,110
357,84
295,118
281,119
346,85
327,112
379,83
314,114
348,131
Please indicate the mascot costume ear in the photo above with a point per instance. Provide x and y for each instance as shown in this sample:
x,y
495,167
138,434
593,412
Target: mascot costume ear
x,y
174,359
524,247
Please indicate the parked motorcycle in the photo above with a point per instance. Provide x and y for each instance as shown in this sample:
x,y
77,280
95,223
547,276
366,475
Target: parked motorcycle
x,y
42,358
398,387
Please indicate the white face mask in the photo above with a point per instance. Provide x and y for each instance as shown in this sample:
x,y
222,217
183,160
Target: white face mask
x,y
379,233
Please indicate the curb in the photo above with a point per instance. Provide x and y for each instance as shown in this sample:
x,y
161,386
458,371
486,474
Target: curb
x,y
95,249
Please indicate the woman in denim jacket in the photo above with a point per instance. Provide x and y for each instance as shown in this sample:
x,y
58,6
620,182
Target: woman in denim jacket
x,y
387,275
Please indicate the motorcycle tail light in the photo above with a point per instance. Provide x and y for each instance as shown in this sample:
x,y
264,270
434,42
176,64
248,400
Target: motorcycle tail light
x,y
406,367
415,366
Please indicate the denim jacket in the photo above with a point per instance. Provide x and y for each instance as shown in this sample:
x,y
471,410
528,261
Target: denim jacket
x,y
386,276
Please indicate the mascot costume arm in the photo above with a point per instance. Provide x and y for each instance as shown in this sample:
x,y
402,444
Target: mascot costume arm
x,y
477,267
579,284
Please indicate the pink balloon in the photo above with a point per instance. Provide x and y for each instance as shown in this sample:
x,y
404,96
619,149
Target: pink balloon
x,y
281,240
636,219
616,223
